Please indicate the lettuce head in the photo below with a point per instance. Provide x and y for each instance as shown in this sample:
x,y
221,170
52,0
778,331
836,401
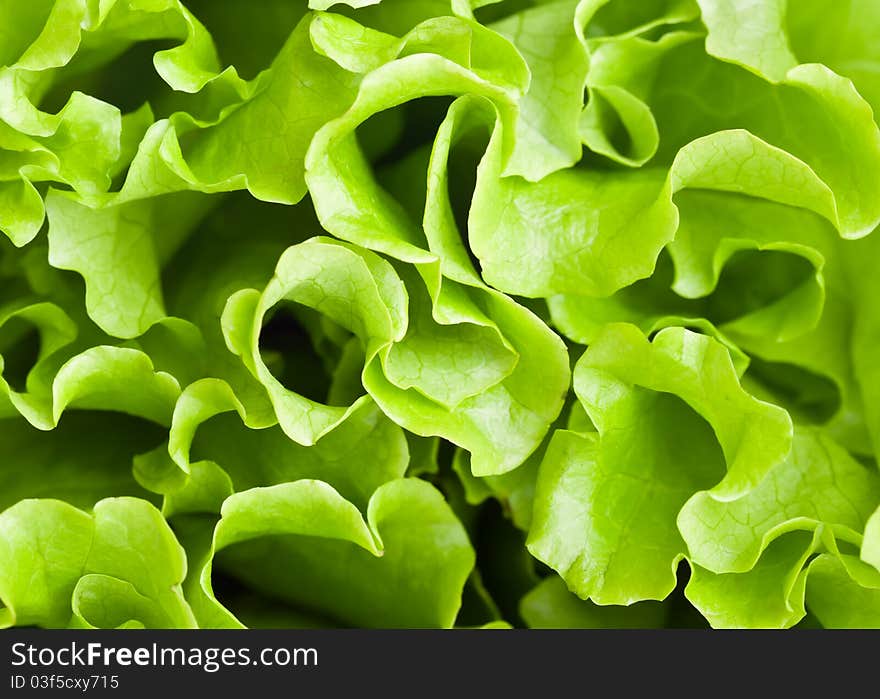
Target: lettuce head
x,y
439,313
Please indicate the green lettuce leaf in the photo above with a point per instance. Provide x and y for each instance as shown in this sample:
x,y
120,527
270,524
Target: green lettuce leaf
x,y
606,504
370,572
119,566
439,313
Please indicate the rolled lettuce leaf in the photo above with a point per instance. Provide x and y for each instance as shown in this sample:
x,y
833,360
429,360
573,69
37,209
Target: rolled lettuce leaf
x,y
456,376
358,572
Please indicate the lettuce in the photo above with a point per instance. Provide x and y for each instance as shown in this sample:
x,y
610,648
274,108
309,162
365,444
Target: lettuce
x,y
436,313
